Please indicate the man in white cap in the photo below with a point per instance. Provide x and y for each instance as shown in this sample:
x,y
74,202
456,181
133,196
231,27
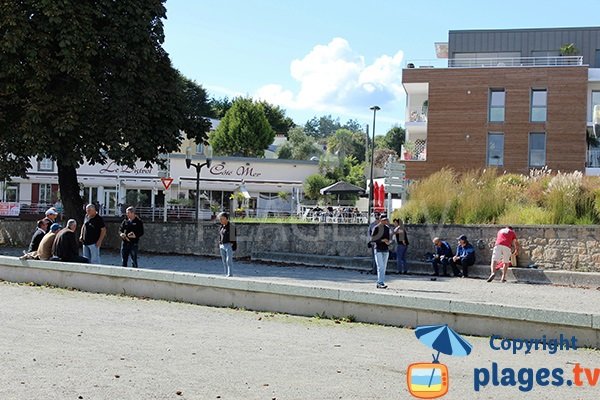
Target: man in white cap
x,y
51,215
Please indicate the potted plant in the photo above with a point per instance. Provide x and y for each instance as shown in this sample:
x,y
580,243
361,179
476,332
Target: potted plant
x,y
568,50
283,195
425,107
408,149
214,208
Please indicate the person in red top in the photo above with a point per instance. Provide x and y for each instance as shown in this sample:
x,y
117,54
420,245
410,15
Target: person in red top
x,y
506,244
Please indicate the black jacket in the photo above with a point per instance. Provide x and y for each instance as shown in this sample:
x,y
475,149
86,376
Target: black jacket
x,y
37,237
65,245
227,234
381,232
136,226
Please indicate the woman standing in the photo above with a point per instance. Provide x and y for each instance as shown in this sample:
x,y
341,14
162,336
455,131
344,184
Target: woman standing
x,y
401,245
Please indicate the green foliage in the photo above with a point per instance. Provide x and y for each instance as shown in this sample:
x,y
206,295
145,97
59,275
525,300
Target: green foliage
x,y
313,184
325,126
393,139
88,81
517,214
219,107
300,146
346,143
568,49
243,131
277,119
482,197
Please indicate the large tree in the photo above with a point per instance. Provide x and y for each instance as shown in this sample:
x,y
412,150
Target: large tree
x,y
243,131
299,146
87,81
280,123
347,143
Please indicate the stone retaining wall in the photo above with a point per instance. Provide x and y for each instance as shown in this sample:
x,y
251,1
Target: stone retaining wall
x,y
552,247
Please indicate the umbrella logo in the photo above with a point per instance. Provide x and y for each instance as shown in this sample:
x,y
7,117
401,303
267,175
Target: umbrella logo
x,y
430,380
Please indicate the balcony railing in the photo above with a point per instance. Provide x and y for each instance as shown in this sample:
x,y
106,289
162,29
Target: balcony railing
x,y
414,152
555,61
417,116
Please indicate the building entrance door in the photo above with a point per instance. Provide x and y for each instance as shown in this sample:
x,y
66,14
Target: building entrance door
x,y
110,206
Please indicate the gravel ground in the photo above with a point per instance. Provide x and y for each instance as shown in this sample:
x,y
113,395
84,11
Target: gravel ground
x,y
59,344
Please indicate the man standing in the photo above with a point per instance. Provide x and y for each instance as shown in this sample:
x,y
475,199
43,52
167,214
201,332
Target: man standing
x,y
381,240
506,244
65,246
131,230
465,256
92,234
227,243
372,226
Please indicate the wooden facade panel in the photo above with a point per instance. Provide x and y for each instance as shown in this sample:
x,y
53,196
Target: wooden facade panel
x,y
458,124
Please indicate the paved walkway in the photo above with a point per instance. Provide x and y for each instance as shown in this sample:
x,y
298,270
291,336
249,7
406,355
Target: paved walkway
x,y
57,344
474,290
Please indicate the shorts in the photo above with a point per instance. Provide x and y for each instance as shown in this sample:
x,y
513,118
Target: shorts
x,y
501,253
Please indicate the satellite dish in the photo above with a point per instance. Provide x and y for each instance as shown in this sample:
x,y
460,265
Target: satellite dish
x,y
596,120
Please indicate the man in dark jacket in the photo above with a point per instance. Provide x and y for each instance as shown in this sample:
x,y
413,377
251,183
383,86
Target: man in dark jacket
x,y
65,247
465,255
38,235
443,255
381,239
131,230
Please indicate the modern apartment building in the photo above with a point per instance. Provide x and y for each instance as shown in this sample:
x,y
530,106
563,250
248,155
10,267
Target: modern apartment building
x,y
511,99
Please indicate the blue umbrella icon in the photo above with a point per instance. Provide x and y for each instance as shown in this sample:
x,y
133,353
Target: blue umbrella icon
x,y
443,339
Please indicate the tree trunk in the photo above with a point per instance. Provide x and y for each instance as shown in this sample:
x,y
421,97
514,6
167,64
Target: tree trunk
x,y
69,192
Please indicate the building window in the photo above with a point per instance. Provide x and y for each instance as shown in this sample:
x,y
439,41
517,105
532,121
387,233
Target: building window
x,y
495,150
497,99
45,193
11,194
537,150
539,105
595,99
46,164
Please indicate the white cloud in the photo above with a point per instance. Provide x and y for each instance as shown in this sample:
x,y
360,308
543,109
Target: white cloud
x,y
334,78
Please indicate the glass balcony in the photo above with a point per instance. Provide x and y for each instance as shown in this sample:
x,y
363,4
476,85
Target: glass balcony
x,y
593,158
553,61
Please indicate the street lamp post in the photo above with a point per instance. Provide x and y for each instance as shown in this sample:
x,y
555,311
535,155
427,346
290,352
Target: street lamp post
x,y
375,109
198,166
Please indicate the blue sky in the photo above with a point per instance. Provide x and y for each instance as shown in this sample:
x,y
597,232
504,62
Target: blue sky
x,y
335,57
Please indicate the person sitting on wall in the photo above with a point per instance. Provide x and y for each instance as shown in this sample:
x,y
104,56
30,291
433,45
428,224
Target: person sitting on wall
x,y
442,255
51,216
66,247
36,238
465,256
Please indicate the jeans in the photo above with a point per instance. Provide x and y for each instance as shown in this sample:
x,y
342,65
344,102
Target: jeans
x,y
92,253
445,262
373,262
227,257
465,264
401,258
381,258
129,249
